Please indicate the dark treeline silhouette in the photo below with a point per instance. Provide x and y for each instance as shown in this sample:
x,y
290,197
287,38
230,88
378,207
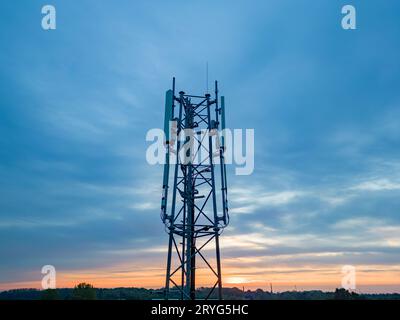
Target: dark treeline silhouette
x,y
84,291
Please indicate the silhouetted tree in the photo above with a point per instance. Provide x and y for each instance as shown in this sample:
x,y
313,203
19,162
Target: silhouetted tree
x,y
343,294
84,291
50,294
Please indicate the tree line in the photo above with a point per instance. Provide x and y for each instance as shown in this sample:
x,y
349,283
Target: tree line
x,y
85,291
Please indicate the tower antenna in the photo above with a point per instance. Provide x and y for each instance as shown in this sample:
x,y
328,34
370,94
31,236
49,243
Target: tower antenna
x,y
195,219
207,77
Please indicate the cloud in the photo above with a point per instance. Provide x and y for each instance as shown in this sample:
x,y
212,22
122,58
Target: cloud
x,y
251,199
377,185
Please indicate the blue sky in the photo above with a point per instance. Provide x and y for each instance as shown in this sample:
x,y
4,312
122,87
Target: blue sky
x,y
76,104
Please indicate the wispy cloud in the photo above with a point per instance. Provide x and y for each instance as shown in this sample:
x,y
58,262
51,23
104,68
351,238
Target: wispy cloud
x,y
377,185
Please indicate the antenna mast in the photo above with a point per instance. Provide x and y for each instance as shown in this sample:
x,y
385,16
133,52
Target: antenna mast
x,y
193,219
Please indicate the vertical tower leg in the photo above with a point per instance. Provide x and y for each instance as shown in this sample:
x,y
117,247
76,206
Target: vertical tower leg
x,y
167,280
218,256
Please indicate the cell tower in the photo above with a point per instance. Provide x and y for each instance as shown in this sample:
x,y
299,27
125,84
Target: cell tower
x,y
195,211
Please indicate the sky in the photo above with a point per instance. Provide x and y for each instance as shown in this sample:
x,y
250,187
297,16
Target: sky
x,y
76,104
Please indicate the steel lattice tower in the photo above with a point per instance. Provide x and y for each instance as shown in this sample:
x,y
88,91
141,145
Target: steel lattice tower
x,y
191,212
